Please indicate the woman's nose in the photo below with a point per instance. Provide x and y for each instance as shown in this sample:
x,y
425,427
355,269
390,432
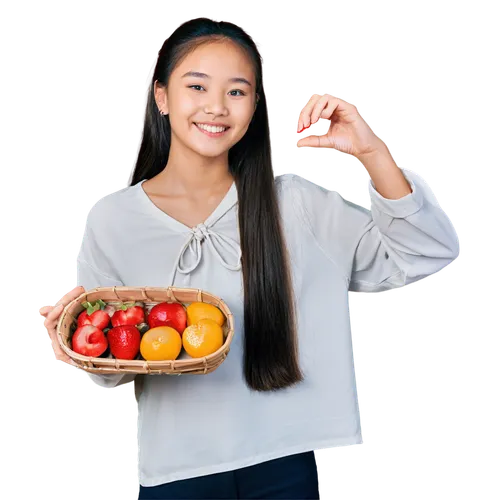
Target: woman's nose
x,y
216,106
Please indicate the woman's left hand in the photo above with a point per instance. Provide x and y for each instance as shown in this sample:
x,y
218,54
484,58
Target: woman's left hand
x,y
348,131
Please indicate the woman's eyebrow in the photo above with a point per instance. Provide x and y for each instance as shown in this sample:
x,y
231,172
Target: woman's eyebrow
x,y
237,79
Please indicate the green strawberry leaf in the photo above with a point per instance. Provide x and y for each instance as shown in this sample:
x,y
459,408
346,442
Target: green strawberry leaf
x,y
94,306
126,305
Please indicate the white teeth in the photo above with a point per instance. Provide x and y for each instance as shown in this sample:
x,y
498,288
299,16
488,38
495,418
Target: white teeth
x,y
210,128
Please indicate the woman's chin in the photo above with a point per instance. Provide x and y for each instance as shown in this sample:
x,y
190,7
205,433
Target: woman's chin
x,y
210,151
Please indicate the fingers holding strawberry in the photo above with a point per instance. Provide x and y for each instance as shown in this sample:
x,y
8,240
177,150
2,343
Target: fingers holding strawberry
x,y
348,131
318,107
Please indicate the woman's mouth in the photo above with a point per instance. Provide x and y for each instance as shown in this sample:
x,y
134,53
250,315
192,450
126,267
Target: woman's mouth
x,y
211,131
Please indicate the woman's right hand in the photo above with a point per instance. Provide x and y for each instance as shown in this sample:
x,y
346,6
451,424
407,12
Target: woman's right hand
x,y
52,314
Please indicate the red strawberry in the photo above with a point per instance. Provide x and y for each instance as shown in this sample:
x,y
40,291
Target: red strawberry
x,y
170,314
97,313
124,341
128,313
100,319
89,341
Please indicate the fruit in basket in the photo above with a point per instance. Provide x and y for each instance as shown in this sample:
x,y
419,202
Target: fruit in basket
x,y
124,341
201,310
128,313
89,340
96,313
170,314
202,338
161,343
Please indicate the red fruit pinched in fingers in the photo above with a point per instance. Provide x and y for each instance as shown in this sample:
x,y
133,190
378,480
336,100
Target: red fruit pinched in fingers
x,y
306,129
303,130
124,341
89,340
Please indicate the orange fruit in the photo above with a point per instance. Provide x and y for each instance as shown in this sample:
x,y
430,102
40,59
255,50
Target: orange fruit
x,y
161,343
202,338
201,310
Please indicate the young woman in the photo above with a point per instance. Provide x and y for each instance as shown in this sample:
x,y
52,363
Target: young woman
x,y
204,210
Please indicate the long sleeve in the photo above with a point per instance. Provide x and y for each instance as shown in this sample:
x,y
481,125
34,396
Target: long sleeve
x,y
394,244
89,275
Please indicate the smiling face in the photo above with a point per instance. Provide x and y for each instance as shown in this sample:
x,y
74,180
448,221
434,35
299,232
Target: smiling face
x,y
223,96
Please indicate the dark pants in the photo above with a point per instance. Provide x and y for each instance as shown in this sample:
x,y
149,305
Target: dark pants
x,y
290,477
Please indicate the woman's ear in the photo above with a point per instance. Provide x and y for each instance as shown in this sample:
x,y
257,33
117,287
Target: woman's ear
x,y
160,97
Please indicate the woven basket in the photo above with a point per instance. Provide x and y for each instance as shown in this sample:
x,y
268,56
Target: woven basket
x,y
184,364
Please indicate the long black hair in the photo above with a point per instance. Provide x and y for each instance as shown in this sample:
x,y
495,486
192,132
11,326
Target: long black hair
x,y
271,344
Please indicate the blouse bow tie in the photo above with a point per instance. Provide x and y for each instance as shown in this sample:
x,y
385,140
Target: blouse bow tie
x,y
202,232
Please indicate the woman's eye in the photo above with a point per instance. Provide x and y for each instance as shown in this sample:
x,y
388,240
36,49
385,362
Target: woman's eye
x,y
241,92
